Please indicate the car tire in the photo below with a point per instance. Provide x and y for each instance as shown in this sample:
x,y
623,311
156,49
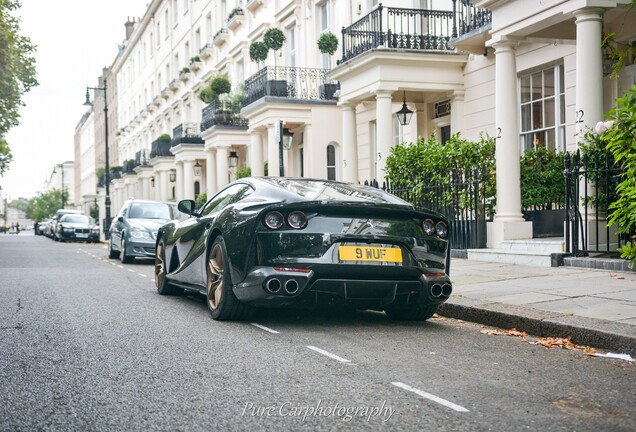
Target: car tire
x,y
222,303
112,254
161,281
413,313
124,258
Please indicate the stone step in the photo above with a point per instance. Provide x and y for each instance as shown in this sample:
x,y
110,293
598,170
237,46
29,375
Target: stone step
x,y
529,258
547,245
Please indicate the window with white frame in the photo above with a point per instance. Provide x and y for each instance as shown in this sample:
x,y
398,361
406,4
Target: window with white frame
x,y
186,51
166,23
323,27
291,44
543,109
240,71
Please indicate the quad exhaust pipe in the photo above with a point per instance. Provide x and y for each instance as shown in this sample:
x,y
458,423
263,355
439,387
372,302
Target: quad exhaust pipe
x,y
291,286
274,286
439,290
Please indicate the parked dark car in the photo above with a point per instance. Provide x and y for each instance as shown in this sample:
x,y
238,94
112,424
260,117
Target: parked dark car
x,y
52,229
134,229
42,226
288,242
76,227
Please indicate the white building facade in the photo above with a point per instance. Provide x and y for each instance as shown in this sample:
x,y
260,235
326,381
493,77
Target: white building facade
x,y
527,73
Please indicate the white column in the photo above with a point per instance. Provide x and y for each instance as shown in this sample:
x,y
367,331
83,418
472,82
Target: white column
x,y
222,167
210,168
179,181
508,222
457,111
589,69
349,143
384,125
163,185
309,167
188,179
272,152
145,188
256,153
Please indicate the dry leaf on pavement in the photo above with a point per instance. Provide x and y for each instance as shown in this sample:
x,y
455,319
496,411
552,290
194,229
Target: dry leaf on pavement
x,y
511,332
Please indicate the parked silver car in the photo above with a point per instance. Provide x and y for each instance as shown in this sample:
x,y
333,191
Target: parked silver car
x,y
134,230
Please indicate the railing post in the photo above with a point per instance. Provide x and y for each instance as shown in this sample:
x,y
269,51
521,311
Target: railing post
x,y
566,174
380,20
454,18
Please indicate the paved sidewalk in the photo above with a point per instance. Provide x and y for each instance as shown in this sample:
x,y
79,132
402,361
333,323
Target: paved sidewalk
x,y
594,307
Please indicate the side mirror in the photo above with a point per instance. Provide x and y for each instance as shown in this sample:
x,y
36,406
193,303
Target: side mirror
x,y
120,218
186,206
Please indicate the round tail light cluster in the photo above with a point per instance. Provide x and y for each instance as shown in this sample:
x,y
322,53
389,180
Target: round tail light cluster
x,y
275,220
431,228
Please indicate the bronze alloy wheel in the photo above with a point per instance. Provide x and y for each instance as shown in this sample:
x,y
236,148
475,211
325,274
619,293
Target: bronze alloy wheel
x,y
160,267
216,270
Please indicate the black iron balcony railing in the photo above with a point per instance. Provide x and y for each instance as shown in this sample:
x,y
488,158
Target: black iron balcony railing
x,y
161,147
186,133
416,29
290,83
129,166
224,114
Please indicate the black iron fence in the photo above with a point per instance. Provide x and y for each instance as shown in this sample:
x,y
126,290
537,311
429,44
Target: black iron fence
x,y
223,113
590,184
417,29
161,148
186,133
460,198
291,83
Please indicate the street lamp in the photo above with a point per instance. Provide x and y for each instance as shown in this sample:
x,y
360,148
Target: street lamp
x,y
197,169
106,164
233,159
404,114
63,196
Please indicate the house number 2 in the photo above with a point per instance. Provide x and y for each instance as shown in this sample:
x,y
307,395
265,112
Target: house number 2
x,y
579,116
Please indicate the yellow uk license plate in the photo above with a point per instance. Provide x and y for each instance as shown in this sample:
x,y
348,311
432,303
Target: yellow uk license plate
x,y
370,253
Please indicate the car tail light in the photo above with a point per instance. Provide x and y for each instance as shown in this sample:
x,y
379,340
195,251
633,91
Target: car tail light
x,y
297,220
428,226
441,229
274,220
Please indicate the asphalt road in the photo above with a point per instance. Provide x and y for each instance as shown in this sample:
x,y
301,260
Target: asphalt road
x,y
87,344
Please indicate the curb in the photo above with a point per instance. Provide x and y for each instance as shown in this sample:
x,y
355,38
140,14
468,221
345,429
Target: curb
x,y
606,335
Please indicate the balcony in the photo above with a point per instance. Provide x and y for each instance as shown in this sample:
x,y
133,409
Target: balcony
x,y
411,29
186,133
165,93
224,114
161,148
128,167
175,84
206,50
221,37
235,19
472,31
156,101
253,5
290,83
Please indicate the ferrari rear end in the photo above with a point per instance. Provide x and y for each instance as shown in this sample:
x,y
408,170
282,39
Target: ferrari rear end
x,y
364,255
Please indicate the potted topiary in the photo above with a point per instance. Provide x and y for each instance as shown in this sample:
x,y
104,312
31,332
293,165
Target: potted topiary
x,y
217,86
274,39
328,44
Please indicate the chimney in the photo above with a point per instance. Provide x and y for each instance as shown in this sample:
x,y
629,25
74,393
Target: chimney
x,y
130,26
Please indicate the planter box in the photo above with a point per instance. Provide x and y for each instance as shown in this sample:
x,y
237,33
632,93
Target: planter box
x,y
327,91
546,223
276,88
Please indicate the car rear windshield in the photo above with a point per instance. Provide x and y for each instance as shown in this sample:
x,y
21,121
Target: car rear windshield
x,y
150,211
316,190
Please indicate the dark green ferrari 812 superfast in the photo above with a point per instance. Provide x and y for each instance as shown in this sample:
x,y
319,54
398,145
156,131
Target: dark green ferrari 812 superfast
x,y
297,242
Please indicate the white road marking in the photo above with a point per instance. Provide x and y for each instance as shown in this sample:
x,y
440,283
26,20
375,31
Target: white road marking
x,y
431,397
262,327
328,354
142,275
120,266
130,270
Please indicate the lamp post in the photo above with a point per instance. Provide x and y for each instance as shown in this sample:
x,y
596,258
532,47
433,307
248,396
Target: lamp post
x,y
63,195
106,164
